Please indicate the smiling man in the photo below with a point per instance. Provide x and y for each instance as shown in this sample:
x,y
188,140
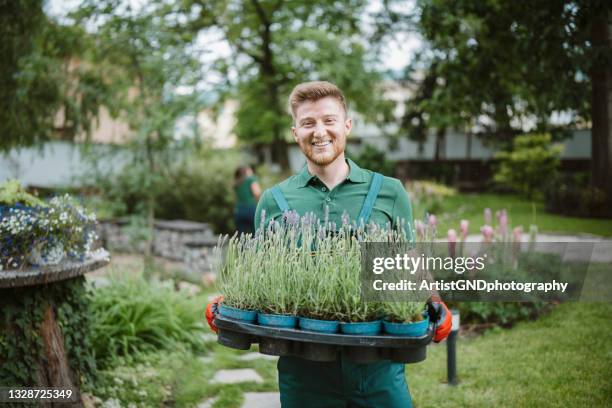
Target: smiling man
x,y
330,184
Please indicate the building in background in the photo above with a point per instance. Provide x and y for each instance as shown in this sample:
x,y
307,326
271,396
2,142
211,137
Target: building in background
x,y
464,156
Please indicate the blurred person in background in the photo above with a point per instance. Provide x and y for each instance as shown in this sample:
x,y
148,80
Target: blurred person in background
x,y
247,191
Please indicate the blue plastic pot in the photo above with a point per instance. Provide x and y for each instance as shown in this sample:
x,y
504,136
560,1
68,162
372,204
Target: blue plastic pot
x,y
362,328
234,313
414,329
277,320
318,325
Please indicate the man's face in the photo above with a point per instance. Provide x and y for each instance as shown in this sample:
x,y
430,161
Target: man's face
x,y
321,129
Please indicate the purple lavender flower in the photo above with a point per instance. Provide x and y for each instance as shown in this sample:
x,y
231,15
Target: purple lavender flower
x,y
346,219
291,218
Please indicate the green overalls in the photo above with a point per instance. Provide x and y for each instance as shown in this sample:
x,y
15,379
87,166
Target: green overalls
x,y
342,383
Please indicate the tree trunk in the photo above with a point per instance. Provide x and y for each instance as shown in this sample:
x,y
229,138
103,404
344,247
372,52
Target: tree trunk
x,y
601,108
269,76
440,151
468,145
280,153
150,201
150,225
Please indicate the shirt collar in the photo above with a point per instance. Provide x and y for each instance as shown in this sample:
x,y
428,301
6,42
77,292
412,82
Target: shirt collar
x,y
356,174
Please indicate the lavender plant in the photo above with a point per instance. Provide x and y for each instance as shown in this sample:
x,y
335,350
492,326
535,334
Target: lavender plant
x,y
403,312
302,266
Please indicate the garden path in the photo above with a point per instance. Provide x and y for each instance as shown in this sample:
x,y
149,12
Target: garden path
x,y
261,400
602,248
238,375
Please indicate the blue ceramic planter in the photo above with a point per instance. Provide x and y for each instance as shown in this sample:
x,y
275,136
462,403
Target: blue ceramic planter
x,y
277,320
317,325
234,313
414,329
362,328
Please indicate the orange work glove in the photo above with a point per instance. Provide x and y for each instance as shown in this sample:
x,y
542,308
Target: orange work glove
x,y
211,311
441,316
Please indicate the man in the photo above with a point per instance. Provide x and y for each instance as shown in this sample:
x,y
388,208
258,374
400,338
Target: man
x,y
331,183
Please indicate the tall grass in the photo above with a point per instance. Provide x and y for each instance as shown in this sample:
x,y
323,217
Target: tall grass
x,y
132,316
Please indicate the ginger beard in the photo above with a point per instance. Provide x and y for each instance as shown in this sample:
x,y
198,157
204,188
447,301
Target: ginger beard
x,y
323,150
321,130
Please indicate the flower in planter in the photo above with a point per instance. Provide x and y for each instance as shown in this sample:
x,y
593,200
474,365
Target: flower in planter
x,y
44,234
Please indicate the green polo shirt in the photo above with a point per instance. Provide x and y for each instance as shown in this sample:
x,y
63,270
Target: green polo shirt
x,y
305,193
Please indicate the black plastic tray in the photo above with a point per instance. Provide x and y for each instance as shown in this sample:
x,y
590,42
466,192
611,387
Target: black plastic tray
x,y
322,346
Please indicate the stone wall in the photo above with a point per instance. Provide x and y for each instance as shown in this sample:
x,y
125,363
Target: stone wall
x,y
199,257
168,241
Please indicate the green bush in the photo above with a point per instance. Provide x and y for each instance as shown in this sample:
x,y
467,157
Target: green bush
x,y
373,159
502,313
132,316
533,161
201,189
198,187
429,196
12,193
572,195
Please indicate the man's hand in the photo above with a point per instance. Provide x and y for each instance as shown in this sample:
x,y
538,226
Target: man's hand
x,y
441,316
211,311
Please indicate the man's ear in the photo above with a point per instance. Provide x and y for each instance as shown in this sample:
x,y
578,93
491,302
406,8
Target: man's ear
x,y
294,133
348,125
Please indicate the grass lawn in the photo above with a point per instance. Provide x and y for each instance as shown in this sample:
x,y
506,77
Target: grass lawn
x,y
520,212
562,360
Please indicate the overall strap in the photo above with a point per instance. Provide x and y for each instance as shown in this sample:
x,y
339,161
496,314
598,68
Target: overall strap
x,y
368,204
280,199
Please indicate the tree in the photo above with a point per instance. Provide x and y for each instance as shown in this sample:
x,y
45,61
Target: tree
x,y
501,65
154,75
44,90
276,45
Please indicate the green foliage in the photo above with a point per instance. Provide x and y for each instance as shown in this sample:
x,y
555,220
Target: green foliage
x,y
200,188
142,381
133,316
268,178
428,195
503,313
540,363
156,72
373,159
46,89
489,64
532,162
271,53
571,195
12,193
544,266
402,312
21,348
197,186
